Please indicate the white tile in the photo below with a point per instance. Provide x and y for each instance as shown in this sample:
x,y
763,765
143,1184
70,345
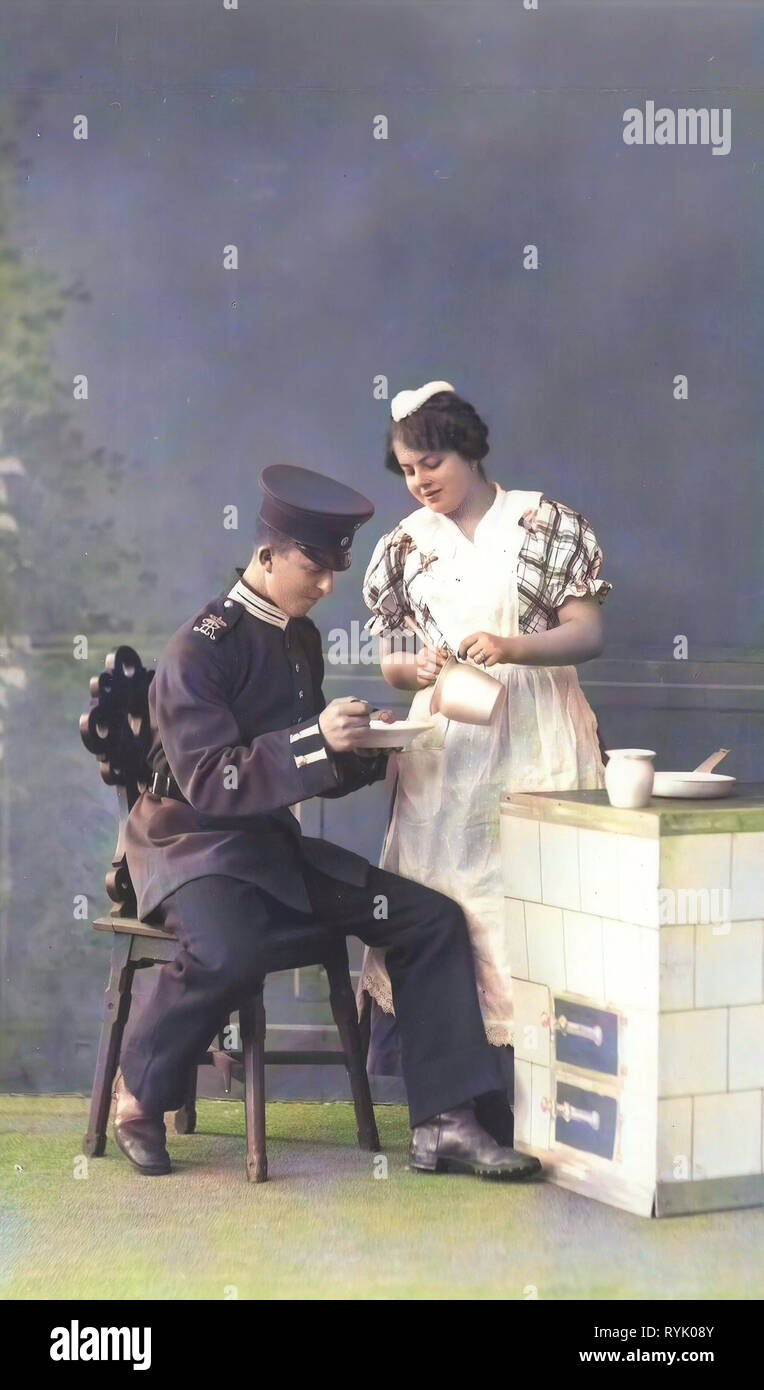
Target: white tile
x,y
598,868
677,967
691,863
691,906
514,938
541,1108
728,963
631,964
522,1101
583,954
520,857
675,1140
695,877
726,1135
636,1147
692,1054
748,875
546,949
532,1010
638,1051
746,1047
638,865
559,865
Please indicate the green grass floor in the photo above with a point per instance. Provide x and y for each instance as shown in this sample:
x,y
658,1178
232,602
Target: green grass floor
x,y
323,1226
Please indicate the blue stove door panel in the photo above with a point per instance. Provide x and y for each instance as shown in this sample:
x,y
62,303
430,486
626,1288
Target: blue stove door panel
x,y
586,1037
585,1120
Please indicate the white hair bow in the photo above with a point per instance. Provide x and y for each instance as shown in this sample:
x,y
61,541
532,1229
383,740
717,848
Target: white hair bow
x,y
406,402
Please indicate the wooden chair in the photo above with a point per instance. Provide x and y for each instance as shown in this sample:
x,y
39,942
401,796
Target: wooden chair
x,y
116,730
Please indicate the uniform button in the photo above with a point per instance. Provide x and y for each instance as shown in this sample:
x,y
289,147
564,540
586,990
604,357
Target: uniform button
x,y
297,666
228,603
301,695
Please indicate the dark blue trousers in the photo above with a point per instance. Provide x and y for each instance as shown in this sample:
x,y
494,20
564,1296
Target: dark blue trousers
x,y
385,1070
223,925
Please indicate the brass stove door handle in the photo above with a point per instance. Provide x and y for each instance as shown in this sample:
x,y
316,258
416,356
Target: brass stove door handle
x,y
571,1113
592,1033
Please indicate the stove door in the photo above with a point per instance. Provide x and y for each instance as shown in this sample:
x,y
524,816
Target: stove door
x,y
586,1036
584,1119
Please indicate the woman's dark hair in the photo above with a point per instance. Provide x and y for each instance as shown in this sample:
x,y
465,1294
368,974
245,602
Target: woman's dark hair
x,y
445,421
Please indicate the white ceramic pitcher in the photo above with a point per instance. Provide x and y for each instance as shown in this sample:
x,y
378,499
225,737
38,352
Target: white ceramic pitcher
x,y
629,776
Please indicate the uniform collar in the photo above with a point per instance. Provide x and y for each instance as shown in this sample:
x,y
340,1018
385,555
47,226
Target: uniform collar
x,y
255,604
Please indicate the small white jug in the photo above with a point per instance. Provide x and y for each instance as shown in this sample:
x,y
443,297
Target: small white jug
x,y
629,775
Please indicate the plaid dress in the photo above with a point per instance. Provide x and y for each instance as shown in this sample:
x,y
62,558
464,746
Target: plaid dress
x,y
559,557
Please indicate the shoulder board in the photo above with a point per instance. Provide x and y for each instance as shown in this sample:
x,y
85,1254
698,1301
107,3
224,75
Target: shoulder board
x,y
217,618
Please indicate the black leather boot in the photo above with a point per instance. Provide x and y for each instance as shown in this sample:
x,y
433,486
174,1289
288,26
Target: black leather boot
x,y
141,1137
494,1114
454,1142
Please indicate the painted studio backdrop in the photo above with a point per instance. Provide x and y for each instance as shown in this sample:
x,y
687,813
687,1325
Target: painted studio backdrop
x,y
227,238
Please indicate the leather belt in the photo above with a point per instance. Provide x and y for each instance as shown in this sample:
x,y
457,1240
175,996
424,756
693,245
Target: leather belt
x,y
164,784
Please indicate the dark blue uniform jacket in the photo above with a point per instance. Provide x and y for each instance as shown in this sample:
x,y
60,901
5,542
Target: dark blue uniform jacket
x,y
233,706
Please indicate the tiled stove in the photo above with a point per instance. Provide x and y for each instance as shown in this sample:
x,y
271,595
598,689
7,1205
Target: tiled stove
x,y
636,941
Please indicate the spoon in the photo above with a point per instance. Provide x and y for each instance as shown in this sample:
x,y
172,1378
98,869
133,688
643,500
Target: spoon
x,y
413,627
709,763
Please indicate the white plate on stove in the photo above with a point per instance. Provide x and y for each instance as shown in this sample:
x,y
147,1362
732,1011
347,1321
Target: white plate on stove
x,y
397,735
692,784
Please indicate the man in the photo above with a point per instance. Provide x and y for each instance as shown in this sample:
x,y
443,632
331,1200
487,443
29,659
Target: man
x,y
241,733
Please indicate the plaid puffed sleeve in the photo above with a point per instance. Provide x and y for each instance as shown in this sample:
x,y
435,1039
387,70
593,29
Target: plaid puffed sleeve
x,y
560,559
384,589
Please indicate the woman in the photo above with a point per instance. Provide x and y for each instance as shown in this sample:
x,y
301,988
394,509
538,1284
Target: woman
x,y
510,580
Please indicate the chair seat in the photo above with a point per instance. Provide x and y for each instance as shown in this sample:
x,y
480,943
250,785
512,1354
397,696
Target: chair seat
x,y
288,948
132,926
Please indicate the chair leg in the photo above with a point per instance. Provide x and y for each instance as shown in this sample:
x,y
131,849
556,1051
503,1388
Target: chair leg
x,y
345,1013
185,1118
364,1023
116,1010
252,1026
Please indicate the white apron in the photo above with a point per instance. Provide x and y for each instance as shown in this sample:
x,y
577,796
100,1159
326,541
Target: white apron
x,y
444,826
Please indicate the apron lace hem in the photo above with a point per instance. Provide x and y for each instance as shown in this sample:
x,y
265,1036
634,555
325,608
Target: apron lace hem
x,y
499,1034
370,984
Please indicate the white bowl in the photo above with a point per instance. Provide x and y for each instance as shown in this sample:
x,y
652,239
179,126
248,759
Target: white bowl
x,y
692,784
397,735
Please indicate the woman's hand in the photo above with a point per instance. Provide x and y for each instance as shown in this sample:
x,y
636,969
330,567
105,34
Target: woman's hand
x,y
429,663
407,670
578,637
486,649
